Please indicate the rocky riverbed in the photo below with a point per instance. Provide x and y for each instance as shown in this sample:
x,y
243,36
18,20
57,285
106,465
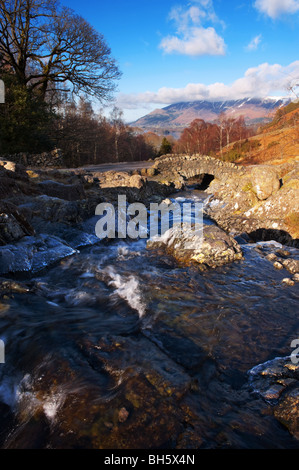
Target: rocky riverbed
x,y
260,201
138,344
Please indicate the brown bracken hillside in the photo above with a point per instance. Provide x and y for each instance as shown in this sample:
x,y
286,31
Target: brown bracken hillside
x,y
275,143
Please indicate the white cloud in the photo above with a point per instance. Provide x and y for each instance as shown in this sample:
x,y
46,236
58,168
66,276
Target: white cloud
x,y
183,18
259,82
195,42
253,45
276,8
191,37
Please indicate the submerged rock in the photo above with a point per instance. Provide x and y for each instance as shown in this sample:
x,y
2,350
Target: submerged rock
x,y
9,287
133,402
211,248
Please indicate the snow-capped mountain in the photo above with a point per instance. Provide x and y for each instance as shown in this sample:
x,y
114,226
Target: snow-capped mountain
x,y
180,115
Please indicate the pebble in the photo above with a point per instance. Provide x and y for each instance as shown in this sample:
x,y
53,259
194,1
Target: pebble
x,y
123,415
292,265
168,202
288,281
277,265
271,257
283,253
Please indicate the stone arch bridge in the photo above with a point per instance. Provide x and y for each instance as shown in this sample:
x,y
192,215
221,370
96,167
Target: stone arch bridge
x,y
179,168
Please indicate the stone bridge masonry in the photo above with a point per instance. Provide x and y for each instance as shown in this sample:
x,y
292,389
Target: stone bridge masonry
x,y
175,167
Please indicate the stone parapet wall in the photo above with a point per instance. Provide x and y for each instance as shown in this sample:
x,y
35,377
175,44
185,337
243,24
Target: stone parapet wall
x,y
174,158
188,166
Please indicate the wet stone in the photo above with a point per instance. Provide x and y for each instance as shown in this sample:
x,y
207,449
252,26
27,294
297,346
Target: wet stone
x,y
289,282
33,254
292,265
278,265
210,249
13,287
277,382
273,393
287,412
283,253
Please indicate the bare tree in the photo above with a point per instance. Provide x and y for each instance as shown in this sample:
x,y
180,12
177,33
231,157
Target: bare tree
x,y
221,128
293,87
116,120
47,45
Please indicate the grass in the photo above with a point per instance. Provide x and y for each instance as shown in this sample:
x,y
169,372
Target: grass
x,y
240,149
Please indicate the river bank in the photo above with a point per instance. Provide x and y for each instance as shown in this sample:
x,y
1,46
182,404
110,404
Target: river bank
x,y
113,345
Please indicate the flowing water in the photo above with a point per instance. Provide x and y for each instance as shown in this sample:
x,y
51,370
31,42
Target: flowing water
x,y
118,347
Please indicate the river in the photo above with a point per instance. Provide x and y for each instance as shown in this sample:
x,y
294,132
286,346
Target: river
x,y
116,347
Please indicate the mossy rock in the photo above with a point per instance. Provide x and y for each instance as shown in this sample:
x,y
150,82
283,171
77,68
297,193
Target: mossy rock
x,y
248,187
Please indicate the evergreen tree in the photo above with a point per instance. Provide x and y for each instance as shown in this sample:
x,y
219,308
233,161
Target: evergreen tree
x,y
24,119
166,147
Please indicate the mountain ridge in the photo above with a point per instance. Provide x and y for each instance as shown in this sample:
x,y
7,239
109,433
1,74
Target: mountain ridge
x,y
180,115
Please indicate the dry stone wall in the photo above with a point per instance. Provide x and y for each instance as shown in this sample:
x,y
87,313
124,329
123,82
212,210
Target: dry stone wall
x,y
52,159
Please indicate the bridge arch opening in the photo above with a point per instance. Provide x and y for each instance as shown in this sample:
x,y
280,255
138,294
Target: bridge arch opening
x,y
200,182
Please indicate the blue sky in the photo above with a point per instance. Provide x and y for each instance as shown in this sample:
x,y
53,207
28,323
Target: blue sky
x,y
177,50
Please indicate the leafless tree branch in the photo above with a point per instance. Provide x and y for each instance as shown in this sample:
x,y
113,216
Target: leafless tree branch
x,y
44,43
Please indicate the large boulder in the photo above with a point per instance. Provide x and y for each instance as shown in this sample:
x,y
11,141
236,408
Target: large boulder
x,y
237,206
58,210
136,181
211,249
280,211
265,181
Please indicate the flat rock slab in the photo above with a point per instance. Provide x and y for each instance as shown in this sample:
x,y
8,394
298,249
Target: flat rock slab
x,y
32,254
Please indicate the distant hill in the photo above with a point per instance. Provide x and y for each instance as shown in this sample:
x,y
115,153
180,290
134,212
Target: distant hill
x,y
180,115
